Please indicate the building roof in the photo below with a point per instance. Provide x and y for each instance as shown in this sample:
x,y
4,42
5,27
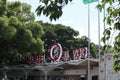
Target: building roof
x,y
73,64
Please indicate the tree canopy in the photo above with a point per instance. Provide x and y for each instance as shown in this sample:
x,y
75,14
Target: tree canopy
x,y
19,33
67,37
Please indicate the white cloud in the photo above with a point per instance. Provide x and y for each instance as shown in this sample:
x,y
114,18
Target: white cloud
x,y
67,22
82,31
94,33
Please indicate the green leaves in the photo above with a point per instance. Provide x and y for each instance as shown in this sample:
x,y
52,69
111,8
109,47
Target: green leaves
x,y
116,64
53,11
21,11
3,21
106,37
36,29
2,7
6,32
52,8
117,43
117,26
37,46
112,19
13,21
19,34
9,33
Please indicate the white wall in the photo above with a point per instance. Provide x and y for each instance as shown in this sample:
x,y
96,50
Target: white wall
x,y
106,68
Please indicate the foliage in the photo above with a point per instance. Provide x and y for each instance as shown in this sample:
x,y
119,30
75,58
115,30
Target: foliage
x,y
51,8
19,34
2,7
113,20
21,11
67,37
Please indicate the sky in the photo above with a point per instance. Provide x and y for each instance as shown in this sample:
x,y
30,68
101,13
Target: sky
x,y
75,15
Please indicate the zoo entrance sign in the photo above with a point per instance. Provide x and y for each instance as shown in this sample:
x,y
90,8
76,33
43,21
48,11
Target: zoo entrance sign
x,y
55,53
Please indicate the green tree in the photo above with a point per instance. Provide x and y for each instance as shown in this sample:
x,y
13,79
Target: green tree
x,y
20,35
67,37
21,10
2,7
113,21
52,8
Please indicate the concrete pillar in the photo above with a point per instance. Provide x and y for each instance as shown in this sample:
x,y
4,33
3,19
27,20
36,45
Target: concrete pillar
x,y
26,71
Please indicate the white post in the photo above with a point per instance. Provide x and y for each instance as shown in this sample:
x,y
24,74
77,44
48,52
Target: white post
x,y
99,40
105,74
89,75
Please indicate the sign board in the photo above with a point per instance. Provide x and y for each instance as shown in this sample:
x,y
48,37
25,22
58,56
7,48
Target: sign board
x,y
55,53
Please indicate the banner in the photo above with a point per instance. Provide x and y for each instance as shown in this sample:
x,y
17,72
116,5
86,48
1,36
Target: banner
x,y
79,53
37,58
65,56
